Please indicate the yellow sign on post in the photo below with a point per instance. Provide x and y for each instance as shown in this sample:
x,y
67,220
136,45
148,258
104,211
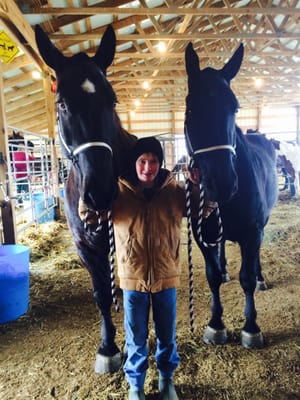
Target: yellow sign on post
x,y
8,48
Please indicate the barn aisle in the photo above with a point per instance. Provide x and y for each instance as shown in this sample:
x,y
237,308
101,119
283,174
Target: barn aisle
x,y
49,352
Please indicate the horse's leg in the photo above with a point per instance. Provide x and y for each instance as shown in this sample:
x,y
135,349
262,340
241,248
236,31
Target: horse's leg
x,y
260,280
223,262
108,357
286,179
292,186
251,336
215,332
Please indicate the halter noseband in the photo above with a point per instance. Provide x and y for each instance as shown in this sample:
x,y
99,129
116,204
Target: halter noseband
x,y
213,148
82,147
206,149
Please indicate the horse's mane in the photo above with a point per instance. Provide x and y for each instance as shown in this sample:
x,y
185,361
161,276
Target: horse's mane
x,y
122,147
254,142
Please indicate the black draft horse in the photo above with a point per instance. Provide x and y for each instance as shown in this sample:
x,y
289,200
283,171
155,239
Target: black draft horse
x,y
92,138
239,173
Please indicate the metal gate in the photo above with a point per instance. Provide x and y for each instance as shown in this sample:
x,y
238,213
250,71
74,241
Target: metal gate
x,y
32,179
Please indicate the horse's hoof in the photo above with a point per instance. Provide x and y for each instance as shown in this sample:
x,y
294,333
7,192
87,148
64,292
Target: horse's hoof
x,y
105,364
214,336
225,277
252,340
261,285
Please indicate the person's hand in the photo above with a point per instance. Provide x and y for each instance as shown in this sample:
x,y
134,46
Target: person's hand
x,y
194,175
87,215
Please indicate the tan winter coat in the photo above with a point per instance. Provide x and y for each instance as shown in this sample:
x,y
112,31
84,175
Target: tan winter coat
x,y
147,235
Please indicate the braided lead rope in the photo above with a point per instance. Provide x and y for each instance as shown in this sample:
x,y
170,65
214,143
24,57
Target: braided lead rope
x,y
100,225
199,233
112,260
200,220
99,221
190,263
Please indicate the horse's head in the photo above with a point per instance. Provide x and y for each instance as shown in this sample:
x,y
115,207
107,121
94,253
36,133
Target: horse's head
x,y
86,116
210,123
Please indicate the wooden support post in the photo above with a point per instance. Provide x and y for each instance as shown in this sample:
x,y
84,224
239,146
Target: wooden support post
x,y
298,125
7,215
258,125
50,107
128,121
7,208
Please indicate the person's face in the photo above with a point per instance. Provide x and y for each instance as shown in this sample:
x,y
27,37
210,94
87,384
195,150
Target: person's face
x,y
147,167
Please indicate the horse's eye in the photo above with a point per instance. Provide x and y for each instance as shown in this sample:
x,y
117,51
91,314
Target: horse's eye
x,y
61,106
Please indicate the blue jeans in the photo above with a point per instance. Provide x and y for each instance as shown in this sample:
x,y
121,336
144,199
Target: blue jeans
x,y
136,318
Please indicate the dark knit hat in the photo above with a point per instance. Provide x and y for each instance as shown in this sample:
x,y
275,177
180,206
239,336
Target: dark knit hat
x,y
147,145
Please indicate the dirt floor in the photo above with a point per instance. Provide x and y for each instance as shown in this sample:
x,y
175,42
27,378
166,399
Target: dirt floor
x,y
49,352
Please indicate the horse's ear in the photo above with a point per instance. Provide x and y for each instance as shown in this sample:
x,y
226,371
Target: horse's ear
x,y
191,60
232,67
106,52
50,54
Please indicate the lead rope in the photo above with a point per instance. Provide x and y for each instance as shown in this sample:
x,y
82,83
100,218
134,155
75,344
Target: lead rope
x,y
191,270
200,220
112,260
199,234
86,221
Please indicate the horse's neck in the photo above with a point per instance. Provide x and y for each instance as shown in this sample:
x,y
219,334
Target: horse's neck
x,y
243,150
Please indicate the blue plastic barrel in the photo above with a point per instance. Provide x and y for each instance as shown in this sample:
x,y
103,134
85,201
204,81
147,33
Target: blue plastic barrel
x,y
14,281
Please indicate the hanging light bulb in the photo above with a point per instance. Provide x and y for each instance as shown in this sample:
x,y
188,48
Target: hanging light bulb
x,y
258,82
146,85
162,47
36,74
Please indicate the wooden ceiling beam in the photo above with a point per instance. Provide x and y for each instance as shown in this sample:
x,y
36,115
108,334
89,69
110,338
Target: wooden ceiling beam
x,y
204,11
245,66
21,92
211,54
28,101
179,36
22,32
38,105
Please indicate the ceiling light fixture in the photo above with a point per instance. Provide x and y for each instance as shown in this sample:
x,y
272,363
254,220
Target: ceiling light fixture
x,y
258,82
162,47
36,74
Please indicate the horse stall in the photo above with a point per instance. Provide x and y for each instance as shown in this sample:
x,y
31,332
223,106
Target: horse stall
x,y
35,184
175,154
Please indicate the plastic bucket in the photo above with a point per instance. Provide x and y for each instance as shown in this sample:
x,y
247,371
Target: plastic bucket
x,y
14,281
44,212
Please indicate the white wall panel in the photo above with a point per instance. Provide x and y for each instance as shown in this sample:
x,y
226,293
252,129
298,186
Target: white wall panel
x,y
276,122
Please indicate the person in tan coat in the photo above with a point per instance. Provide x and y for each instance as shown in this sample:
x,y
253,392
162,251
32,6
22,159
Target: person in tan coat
x,y
147,217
